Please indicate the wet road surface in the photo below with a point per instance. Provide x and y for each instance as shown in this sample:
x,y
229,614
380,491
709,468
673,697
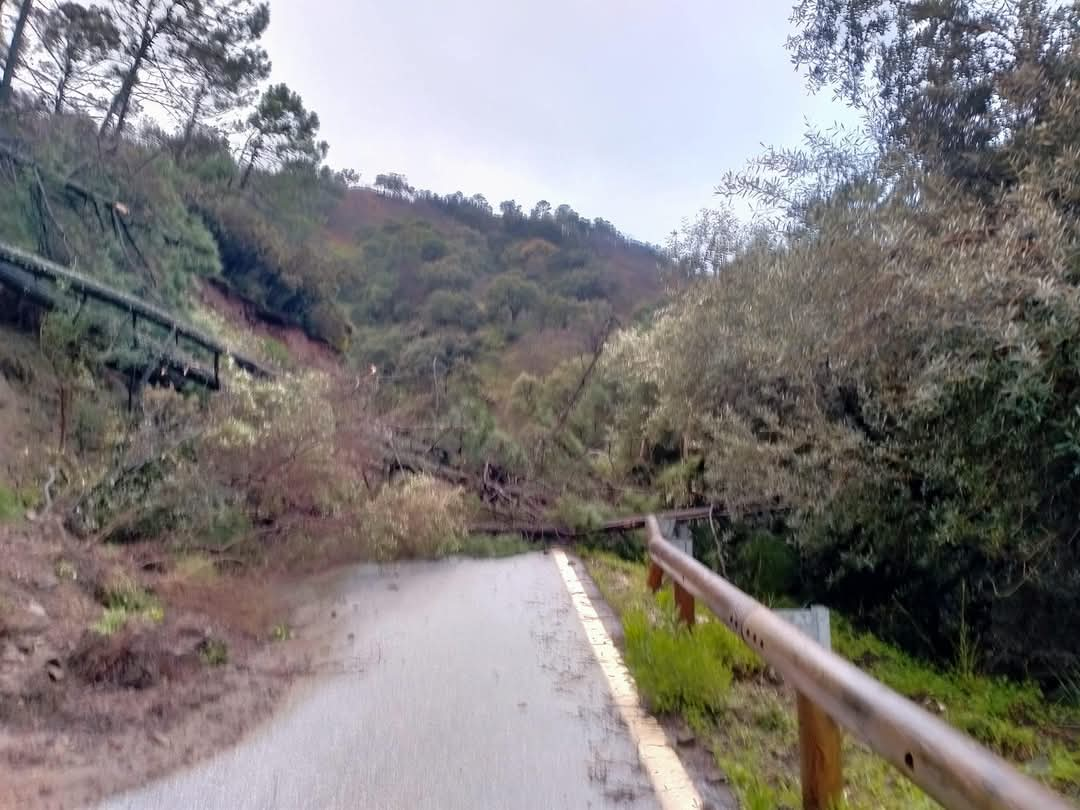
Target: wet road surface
x,y
457,684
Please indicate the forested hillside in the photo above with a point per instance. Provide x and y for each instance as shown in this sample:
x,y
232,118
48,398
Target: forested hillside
x,y
464,331
890,353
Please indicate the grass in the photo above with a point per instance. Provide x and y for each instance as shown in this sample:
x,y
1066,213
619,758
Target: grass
x,y
11,504
750,725
276,351
124,600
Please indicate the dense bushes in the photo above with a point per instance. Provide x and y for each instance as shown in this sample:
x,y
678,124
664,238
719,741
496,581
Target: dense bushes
x,y
905,379
418,517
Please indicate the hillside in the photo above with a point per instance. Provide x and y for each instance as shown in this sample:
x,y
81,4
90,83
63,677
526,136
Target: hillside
x,y
166,523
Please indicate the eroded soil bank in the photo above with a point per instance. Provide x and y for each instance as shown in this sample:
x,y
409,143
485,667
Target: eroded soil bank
x,y
86,713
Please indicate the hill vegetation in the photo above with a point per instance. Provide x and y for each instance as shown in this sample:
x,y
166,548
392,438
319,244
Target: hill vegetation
x,y
429,312
892,354
886,360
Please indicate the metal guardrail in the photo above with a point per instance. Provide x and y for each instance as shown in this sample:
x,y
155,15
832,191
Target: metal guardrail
x,y
39,269
948,765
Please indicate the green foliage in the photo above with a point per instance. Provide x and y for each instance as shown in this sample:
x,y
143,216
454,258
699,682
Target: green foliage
x,y
433,249
526,395
281,632
1000,713
673,671
681,484
124,600
11,504
766,565
584,285
510,295
446,308
214,652
753,737
417,517
579,513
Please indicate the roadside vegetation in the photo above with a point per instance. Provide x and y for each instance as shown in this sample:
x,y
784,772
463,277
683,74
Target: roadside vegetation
x,y
875,379
738,709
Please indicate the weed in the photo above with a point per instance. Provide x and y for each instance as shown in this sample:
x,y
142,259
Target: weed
x,y
11,505
773,716
65,569
281,632
967,647
125,600
214,652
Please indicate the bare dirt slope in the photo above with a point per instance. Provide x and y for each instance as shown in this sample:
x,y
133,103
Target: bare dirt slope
x,y
82,714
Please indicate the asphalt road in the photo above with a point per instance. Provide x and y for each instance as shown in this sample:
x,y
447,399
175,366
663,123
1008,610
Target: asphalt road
x,y
458,684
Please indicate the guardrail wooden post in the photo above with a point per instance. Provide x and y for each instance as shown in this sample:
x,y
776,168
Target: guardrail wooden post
x,y
819,757
656,577
685,600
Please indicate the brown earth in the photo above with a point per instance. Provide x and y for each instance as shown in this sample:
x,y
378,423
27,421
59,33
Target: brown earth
x,y
302,349
83,715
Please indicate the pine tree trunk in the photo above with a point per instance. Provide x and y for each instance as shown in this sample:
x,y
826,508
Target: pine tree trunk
x,y
121,103
250,166
13,53
192,122
61,86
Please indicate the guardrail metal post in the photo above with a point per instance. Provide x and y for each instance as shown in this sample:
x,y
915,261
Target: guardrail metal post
x,y
821,768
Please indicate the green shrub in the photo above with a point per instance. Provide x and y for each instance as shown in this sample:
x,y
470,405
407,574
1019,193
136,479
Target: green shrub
x,y
526,395
433,249
448,308
418,517
766,565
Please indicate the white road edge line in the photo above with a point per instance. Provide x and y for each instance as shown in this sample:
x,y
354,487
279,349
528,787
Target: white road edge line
x,y
674,788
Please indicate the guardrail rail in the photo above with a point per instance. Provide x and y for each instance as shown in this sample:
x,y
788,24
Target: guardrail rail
x,y
833,693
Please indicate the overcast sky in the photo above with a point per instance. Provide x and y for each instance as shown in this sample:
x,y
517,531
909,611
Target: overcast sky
x,y
625,109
